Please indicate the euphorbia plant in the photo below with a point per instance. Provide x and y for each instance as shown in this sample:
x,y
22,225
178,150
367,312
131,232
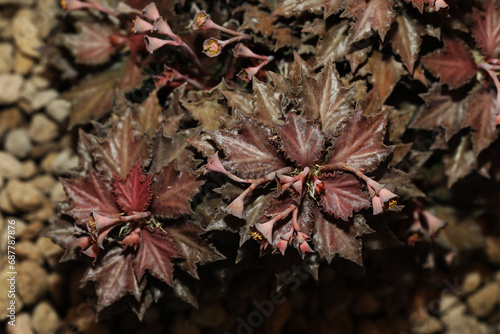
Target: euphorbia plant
x,y
317,155
131,213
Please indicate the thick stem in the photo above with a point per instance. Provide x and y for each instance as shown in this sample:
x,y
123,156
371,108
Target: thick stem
x,y
193,56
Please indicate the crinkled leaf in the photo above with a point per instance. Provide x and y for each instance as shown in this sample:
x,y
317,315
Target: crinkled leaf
x,y
324,96
360,143
87,194
258,21
332,47
301,141
114,276
289,8
420,4
481,117
238,100
385,73
173,191
453,66
195,250
156,253
374,15
267,103
405,37
123,146
250,153
206,107
343,195
442,108
133,193
336,237
148,115
486,29
61,232
167,149
93,42
92,98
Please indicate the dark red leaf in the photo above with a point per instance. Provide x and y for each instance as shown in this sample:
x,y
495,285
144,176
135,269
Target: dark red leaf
x,y
301,141
373,15
360,142
335,237
442,109
290,8
61,232
148,116
192,248
133,193
420,4
343,195
92,44
156,253
267,103
486,29
454,66
114,276
173,191
250,153
460,162
87,194
405,38
324,96
481,117
123,146
385,73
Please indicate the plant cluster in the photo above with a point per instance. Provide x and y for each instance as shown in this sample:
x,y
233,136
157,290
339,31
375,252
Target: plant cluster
x,y
315,132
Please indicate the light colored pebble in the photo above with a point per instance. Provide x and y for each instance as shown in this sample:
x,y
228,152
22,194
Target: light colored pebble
x,y
42,129
43,98
45,212
6,204
31,281
483,301
44,182
24,196
59,109
23,325
57,193
29,169
25,33
33,229
18,142
10,88
51,252
45,318
10,166
9,118
27,250
6,57
22,63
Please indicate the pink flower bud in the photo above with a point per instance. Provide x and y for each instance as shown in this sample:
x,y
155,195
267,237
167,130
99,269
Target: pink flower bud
x,y
84,242
266,229
92,251
241,51
282,245
151,12
214,165
435,225
132,240
162,27
378,205
153,43
305,248
386,195
439,4
236,208
141,26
